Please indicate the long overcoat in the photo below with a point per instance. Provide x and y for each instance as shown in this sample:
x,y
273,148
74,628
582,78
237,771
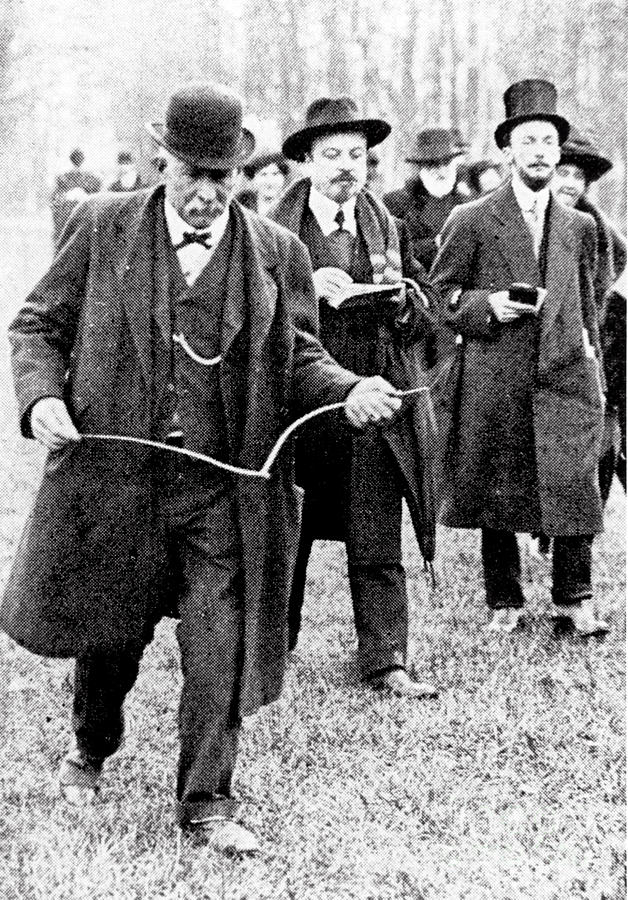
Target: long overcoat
x,y
91,568
521,415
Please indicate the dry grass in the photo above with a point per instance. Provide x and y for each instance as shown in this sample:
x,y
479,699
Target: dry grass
x,y
509,786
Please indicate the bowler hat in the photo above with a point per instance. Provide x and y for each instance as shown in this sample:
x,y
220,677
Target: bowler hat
x,y
434,145
579,150
204,127
526,101
266,158
330,115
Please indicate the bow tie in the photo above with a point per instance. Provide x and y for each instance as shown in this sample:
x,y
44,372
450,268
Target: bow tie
x,y
195,237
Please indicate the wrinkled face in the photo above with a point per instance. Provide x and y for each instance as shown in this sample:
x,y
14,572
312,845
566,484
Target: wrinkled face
x,y
338,165
269,181
533,152
439,178
198,195
489,180
569,183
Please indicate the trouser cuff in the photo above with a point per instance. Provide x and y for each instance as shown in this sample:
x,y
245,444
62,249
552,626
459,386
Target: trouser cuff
x,y
375,666
196,814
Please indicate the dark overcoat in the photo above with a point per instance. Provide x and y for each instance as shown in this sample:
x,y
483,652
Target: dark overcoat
x,y
521,415
91,568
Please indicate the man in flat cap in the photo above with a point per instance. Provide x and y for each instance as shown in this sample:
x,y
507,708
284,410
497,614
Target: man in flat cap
x,y
432,190
354,481
582,164
173,315
522,414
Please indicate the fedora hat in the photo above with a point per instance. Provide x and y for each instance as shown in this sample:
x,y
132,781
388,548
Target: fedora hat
x,y
579,150
435,145
203,127
330,115
526,101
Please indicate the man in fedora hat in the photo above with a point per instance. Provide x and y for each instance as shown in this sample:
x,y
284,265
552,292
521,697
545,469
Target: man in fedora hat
x,y
581,164
522,413
432,190
354,482
173,315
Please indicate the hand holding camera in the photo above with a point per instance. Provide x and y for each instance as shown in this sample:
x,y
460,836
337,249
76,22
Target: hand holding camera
x,y
520,300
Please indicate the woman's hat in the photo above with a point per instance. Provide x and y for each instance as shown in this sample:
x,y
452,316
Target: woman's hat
x,y
579,150
526,101
330,115
204,127
264,158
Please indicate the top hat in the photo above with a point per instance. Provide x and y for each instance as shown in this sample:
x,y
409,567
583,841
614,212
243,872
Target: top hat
x,y
579,150
204,127
329,116
435,145
526,101
266,158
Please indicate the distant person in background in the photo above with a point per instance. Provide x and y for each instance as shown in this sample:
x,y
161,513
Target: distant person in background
x,y
267,173
431,192
374,180
71,188
581,164
128,177
462,164
484,176
354,480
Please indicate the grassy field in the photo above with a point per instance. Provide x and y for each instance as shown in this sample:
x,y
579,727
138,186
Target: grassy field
x,y
510,785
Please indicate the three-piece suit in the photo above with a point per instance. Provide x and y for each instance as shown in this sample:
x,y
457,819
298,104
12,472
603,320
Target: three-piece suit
x,y
121,534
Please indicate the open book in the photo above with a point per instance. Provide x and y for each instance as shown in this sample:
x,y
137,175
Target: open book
x,y
361,296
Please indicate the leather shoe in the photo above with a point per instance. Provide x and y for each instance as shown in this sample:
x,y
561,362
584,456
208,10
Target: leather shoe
x,y
399,683
226,836
504,620
79,778
581,618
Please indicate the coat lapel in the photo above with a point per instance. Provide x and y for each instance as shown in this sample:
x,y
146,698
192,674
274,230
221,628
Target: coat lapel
x,y
133,263
559,251
514,240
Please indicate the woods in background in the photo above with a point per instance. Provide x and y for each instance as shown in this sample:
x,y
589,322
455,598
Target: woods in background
x,y
91,74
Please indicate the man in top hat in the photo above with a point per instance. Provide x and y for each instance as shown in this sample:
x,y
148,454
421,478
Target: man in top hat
x,y
354,481
128,178
522,413
71,188
173,315
581,164
431,191
267,171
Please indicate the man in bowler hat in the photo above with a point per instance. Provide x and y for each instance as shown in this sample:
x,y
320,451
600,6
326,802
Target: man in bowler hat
x,y
522,413
354,481
175,315
431,191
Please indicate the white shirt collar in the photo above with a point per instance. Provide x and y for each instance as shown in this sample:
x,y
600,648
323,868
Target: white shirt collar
x,y
325,211
178,226
527,198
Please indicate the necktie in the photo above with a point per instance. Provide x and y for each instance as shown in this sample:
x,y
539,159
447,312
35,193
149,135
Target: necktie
x,y
339,218
535,225
195,237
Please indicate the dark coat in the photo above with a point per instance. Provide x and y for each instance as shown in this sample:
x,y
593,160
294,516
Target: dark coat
x,y
408,204
521,415
91,569
403,355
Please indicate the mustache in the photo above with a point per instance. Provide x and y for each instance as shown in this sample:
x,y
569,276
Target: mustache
x,y
344,176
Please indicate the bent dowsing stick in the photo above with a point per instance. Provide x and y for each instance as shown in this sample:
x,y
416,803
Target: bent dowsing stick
x,y
264,472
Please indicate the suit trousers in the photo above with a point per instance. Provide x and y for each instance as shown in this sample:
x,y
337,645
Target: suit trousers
x,y
571,569
197,509
371,526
